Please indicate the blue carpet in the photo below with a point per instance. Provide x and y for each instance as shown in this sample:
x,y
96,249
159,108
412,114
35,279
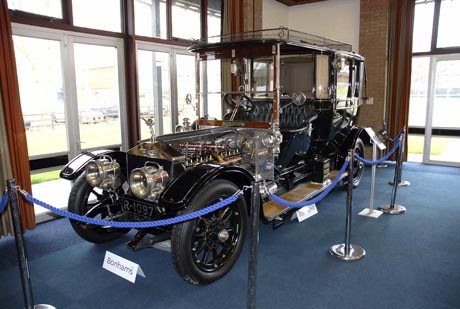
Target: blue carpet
x,y
412,260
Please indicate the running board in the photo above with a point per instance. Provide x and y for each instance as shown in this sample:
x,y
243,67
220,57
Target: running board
x,y
301,192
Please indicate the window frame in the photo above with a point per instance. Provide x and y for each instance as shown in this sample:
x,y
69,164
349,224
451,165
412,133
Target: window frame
x,y
66,22
129,39
434,50
67,40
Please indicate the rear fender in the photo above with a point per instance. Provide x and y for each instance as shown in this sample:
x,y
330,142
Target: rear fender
x,y
344,140
179,193
76,166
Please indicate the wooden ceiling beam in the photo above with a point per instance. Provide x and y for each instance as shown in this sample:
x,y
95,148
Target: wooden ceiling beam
x,y
297,2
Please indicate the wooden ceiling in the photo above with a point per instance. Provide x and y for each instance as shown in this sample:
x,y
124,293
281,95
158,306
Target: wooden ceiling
x,y
297,2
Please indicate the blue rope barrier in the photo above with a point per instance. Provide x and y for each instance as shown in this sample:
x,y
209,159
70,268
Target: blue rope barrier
x,y
403,131
3,202
131,224
314,200
388,155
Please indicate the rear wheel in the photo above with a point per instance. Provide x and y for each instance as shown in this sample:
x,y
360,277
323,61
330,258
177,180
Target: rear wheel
x,y
91,202
205,249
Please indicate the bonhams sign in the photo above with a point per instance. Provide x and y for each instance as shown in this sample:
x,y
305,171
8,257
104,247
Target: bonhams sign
x,y
122,267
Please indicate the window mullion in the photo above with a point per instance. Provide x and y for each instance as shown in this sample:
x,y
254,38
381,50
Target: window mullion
x,y
67,12
169,20
434,35
204,19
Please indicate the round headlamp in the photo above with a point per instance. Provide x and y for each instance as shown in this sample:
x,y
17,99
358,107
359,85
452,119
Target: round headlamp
x,y
148,181
269,139
103,173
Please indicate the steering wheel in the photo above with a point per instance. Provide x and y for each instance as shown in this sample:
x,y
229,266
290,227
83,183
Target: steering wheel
x,y
240,100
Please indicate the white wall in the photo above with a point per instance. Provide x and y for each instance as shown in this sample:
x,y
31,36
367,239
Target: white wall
x,y
275,14
334,19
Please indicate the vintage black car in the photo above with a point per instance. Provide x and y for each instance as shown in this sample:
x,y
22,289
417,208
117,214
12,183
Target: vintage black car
x,y
286,112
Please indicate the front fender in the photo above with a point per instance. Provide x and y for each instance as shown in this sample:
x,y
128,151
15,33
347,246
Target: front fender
x,y
75,167
178,194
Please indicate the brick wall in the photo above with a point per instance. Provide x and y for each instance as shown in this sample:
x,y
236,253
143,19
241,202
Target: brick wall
x,y
373,42
252,10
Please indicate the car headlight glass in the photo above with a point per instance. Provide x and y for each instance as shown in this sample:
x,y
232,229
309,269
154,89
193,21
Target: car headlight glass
x,y
147,182
103,173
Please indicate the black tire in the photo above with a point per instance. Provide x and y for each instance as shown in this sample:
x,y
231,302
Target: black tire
x,y
82,198
205,249
358,165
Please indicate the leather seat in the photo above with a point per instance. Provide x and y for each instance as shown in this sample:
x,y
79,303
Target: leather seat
x,y
291,118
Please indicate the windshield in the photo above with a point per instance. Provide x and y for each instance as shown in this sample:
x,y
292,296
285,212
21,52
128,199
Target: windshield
x,y
224,83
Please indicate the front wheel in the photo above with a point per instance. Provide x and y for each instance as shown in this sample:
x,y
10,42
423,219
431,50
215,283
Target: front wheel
x,y
205,249
91,202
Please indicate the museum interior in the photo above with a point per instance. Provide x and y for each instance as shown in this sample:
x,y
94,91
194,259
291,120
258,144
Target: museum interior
x,y
229,154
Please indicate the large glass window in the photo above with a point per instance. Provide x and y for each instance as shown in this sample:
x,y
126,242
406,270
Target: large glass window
x,y
214,17
434,132
446,106
42,94
186,19
42,7
418,107
150,18
423,26
211,100
96,69
97,14
419,91
154,91
445,138
185,67
449,23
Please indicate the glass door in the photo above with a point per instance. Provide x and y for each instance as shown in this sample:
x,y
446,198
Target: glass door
x,y
97,96
442,141
154,91
186,85
72,99
42,88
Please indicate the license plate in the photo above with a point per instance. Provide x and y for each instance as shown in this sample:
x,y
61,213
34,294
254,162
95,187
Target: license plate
x,y
137,207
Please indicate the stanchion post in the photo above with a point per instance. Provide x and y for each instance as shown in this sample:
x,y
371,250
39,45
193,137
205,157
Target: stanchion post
x,y
374,157
383,164
370,212
402,183
252,269
348,251
20,248
394,209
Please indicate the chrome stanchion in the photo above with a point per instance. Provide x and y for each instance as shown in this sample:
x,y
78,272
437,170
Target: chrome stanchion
x,y
402,183
252,270
371,212
382,165
20,248
394,209
348,251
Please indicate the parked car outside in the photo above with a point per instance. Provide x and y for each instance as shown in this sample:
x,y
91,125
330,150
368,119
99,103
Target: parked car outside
x,y
91,116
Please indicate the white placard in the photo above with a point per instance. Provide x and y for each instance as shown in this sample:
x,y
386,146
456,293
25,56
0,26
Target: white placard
x,y
375,139
122,267
306,212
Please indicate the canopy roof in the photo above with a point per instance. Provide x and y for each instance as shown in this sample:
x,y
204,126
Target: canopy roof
x,y
269,37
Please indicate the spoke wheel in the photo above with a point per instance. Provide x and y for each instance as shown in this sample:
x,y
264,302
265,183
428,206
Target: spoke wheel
x,y
93,203
206,248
